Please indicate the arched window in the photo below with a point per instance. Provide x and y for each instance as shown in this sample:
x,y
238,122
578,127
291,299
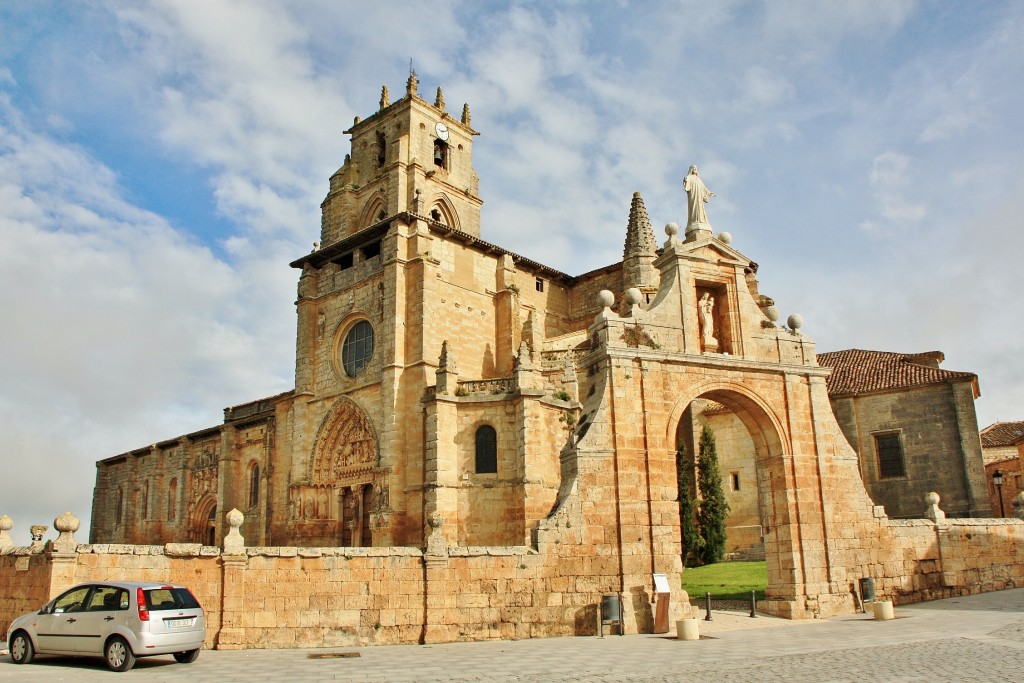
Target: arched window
x,y
486,450
172,499
254,485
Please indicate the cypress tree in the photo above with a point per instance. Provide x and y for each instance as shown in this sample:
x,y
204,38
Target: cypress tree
x,y
713,509
687,523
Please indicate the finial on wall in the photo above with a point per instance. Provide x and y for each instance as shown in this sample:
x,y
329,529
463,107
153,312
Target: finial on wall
x,y
465,114
439,100
385,97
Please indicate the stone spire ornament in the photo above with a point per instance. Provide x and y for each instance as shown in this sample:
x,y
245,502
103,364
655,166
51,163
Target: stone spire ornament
x,y
640,248
412,83
465,114
385,97
639,234
439,100
447,373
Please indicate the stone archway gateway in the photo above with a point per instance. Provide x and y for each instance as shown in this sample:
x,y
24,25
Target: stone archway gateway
x,y
707,334
758,506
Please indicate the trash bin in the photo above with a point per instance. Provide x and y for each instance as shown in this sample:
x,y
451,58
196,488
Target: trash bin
x,y
611,612
867,590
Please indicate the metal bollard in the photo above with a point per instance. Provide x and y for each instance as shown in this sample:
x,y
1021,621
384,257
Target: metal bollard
x,y
707,606
753,604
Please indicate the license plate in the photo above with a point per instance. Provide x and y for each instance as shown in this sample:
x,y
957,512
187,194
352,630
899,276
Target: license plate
x,y
179,623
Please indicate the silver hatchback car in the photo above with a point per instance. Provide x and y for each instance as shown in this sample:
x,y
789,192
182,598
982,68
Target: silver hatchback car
x,y
119,621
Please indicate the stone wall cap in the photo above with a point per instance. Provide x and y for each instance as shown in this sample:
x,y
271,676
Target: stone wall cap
x,y
333,551
493,550
911,522
148,550
183,549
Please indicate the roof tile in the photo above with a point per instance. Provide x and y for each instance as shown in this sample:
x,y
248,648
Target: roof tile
x,y
857,371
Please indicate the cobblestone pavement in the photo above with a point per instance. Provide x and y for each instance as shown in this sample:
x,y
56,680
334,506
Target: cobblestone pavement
x,y
976,638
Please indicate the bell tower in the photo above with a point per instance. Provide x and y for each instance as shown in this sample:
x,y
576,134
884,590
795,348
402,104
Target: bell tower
x,y
410,156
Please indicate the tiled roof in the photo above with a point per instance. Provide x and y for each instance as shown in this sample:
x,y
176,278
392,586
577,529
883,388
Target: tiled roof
x,y
1002,434
856,371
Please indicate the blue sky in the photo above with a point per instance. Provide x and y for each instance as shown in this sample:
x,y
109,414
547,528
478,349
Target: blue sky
x,y
161,163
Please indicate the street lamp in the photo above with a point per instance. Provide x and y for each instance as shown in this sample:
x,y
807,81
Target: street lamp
x,y
997,479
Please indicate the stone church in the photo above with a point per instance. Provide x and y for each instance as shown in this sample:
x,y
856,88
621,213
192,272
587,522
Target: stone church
x,y
448,390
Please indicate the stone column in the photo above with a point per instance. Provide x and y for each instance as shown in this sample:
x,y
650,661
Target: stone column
x,y
63,555
435,584
233,565
439,468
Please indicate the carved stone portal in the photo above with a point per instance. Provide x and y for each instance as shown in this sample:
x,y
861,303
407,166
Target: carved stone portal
x,y
346,448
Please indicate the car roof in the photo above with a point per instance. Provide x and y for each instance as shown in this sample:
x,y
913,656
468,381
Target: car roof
x,y
144,585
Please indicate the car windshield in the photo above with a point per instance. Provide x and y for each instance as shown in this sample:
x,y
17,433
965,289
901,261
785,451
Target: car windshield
x,y
170,598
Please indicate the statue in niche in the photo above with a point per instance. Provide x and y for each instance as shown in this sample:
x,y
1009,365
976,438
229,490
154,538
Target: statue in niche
x,y
321,324
706,312
697,195
322,509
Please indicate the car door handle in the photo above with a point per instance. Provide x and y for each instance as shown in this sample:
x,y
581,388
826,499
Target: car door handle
x,y
72,620
108,618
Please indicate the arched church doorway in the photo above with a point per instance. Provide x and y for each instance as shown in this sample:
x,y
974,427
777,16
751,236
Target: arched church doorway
x,y
750,447
211,527
204,521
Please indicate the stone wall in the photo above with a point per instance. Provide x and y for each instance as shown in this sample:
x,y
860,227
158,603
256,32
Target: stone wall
x,y
932,560
261,597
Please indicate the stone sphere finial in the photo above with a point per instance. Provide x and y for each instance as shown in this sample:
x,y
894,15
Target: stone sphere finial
x,y
772,313
1018,505
234,518
725,238
605,298
795,321
67,522
633,296
672,229
933,512
6,523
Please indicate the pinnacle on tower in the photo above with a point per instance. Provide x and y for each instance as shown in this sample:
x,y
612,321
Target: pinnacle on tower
x,y
639,234
410,85
439,101
465,114
385,97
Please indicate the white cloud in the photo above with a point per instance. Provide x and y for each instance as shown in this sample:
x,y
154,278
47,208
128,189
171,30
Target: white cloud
x,y
952,123
888,179
762,87
126,330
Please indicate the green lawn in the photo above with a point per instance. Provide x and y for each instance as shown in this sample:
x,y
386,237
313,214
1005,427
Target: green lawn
x,y
726,580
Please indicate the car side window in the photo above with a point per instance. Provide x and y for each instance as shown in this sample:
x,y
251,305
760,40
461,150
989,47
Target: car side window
x,y
72,601
105,599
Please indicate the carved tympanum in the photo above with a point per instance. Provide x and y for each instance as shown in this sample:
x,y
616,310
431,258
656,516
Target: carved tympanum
x,y
346,448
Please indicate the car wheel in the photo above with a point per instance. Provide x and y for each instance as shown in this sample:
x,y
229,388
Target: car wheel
x,y
22,651
186,657
119,654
